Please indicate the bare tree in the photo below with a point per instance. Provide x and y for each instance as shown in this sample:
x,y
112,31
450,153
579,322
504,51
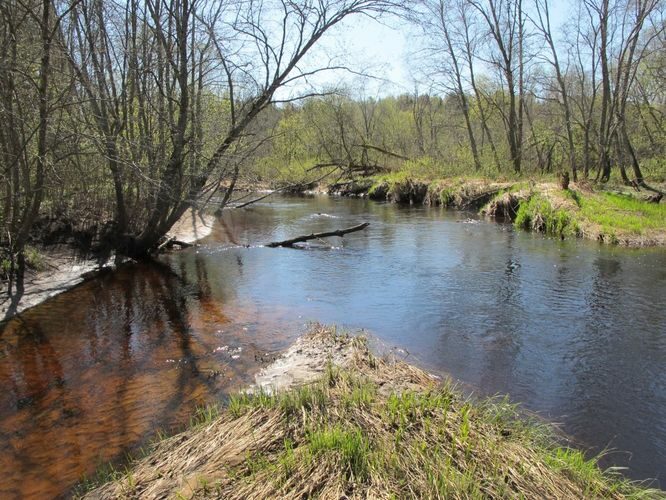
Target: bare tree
x,y
471,42
621,49
585,78
543,24
29,100
438,19
632,52
147,69
505,22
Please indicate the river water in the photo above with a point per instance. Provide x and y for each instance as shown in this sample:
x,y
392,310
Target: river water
x,y
572,330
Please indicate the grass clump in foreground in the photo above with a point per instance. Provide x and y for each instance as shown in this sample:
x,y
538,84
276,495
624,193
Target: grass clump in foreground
x,y
373,428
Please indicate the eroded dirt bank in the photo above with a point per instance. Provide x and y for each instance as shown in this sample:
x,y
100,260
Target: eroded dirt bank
x,y
619,215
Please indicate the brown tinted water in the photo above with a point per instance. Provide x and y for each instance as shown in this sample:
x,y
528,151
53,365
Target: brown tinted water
x,y
92,373
573,330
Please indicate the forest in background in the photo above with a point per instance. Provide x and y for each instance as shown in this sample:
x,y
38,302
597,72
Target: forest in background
x,y
506,97
119,116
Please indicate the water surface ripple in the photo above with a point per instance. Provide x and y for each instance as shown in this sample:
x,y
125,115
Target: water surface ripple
x,y
573,330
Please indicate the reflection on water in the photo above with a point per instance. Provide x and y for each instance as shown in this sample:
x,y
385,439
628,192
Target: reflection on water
x,y
572,330
93,373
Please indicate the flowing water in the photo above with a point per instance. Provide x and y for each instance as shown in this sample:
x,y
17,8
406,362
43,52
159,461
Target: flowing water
x,y
572,330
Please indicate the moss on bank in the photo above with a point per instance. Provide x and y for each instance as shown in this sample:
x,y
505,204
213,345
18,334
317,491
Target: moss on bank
x,y
375,428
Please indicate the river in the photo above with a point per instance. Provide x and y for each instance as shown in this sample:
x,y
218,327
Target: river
x,y
572,330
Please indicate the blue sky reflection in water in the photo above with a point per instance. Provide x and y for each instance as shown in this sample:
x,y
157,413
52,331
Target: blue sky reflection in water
x,y
574,330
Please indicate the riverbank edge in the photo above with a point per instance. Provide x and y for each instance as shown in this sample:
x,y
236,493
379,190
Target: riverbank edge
x,y
62,268
331,419
542,207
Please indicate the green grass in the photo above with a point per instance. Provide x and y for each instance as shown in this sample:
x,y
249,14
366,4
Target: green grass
x,y
204,415
618,212
307,397
537,214
348,443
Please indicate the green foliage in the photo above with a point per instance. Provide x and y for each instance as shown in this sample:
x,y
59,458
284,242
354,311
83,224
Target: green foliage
x,y
424,167
446,197
619,212
348,443
5,267
574,195
584,471
204,415
410,407
243,402
278,172
308,397
654,168
538,214
34,259
360,393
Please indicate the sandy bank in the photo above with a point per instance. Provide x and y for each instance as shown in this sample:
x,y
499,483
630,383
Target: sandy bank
x,y
62,269
193,226
302,363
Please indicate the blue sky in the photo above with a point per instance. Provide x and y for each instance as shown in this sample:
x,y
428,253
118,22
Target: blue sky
x,y
385,50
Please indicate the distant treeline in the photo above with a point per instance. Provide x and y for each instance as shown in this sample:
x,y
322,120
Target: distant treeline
x,y
504,94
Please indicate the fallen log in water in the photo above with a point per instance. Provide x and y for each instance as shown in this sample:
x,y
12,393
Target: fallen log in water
x,y
314,236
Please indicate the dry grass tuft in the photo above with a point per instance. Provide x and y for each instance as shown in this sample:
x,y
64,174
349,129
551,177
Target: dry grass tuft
x,y
374,428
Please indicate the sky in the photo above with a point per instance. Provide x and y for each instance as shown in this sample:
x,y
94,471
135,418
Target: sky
x,y
382,48
379,48
387,49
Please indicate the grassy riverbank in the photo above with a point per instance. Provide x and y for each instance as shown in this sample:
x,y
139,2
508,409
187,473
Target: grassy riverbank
x,y
614,214
363,427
